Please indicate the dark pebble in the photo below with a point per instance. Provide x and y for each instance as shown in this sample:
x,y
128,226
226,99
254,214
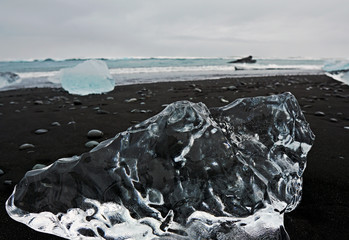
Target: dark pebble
x,y
94,133
8,182
319,114
91,144
77,102
333,120
100,111
41,131
26,146
55,124
130,100
307,106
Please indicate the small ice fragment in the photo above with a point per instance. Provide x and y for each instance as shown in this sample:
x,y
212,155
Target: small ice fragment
x,y
89,77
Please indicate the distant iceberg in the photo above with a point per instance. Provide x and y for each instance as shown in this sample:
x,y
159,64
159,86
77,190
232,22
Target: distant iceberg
x,y
89,77
8,78
338,69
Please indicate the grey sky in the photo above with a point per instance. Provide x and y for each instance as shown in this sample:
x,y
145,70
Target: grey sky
x,y
126,28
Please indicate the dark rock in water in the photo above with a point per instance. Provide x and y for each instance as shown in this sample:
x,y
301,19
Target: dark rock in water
x,y
185,173
248,59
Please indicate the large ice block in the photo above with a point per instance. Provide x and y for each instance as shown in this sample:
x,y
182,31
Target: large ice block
x,y
89,77
185,173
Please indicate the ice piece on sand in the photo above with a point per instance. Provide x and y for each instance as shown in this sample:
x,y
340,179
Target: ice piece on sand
x,y
185,173
89,77
8,78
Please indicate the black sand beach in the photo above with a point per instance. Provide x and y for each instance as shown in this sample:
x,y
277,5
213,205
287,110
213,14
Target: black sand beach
x,y
324,210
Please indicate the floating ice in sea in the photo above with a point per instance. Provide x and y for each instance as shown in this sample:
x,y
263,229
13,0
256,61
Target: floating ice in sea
x,y
185,173
336,66
91,76
338,69
8,78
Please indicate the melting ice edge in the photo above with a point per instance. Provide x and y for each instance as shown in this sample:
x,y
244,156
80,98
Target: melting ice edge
x,y
185,173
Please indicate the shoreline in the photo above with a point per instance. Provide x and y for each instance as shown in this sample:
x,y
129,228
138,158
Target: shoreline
x,y
45,83
324,210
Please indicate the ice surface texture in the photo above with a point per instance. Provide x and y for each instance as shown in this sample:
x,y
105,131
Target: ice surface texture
x,y
186,173
91,76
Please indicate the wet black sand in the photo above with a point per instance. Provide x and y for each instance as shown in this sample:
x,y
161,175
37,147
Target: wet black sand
x,y
324,210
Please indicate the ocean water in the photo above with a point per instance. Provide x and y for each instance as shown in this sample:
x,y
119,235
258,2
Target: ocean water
x,y
125,71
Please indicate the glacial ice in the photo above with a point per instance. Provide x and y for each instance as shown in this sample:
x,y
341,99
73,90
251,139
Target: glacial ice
x,y
186,173
338,69
89,77
8,78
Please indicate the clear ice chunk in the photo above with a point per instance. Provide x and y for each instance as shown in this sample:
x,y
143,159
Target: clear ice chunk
x,y
89,77
185,173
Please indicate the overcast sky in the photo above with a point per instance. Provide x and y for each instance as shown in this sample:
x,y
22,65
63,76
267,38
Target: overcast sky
x,y
37,29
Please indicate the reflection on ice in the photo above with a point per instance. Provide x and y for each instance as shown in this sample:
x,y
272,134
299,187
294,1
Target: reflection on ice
x,y
186,173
